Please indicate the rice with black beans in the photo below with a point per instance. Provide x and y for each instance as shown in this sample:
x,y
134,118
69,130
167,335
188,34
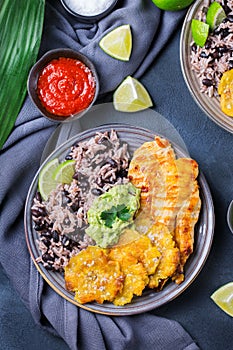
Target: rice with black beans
x,y
60,222
216,57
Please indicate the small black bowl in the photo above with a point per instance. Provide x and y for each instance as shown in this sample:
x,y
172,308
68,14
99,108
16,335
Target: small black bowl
x,y
89,18
36,71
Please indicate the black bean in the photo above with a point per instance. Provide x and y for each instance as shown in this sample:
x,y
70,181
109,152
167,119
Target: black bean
x,y
112,181
47,235
65,241
104,140
41,225
224,33
38,196
76,175
65,200
35,212
211,63
70,245
226,8
75,206
38,227
79,176
96,191
46,242
112,162
203,54
49,267
46,257
217,31
222,49
39,212
204,9
216,54
68,157
230,18
122,173
194,47
208,44
55,236
230,64
207,82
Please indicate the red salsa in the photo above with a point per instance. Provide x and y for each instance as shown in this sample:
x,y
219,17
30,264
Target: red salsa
x,y
66,86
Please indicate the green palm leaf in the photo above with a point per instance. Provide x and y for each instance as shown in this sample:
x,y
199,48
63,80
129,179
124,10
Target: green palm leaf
x,y
21,24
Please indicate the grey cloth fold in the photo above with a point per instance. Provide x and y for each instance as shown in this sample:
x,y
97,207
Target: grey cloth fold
x,y
20,158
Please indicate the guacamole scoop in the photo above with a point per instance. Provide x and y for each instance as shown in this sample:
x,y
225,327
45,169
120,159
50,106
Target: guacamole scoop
x,y
111,213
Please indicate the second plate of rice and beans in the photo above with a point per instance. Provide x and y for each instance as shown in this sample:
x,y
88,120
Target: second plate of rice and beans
x,y
112,190
204,67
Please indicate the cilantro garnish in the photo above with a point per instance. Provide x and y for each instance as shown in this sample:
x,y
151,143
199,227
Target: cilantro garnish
x,y
120,211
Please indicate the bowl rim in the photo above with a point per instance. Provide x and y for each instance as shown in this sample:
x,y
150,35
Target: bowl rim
x,y
89,18
35,73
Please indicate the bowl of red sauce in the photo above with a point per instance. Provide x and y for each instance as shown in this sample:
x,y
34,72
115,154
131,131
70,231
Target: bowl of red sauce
x,y
63,84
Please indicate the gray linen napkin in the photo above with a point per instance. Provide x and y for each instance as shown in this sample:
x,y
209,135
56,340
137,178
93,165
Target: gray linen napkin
x,y
20,158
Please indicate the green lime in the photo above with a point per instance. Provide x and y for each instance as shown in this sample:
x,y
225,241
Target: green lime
x,y
64,172
131,96
215,15
46,181
118,43
172,5
223,297
200,32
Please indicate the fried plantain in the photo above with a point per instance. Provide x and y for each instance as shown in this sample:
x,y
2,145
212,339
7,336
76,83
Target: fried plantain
x,y
137,260
93,276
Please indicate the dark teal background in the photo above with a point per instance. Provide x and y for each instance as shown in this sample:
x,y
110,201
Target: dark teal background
x,y
212,147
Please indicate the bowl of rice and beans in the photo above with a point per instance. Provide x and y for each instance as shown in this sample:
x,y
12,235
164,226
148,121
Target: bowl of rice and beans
x,y
208,69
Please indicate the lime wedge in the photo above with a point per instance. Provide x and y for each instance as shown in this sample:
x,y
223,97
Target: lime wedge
x,y
131,96
215,15
200,32
118,43
46,182
64,172
223,297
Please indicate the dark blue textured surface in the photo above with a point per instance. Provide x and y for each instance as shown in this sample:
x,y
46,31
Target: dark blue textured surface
x,y
212,147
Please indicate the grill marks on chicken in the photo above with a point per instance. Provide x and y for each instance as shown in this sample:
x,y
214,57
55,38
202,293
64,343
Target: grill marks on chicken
x,y
170,205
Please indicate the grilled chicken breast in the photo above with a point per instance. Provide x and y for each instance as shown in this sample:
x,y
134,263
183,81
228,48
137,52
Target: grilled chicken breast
x,y
170,204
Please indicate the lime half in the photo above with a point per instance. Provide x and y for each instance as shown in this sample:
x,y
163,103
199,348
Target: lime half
x,y
215,15
200,32
46,182
64,172
131,96
118,43
223,297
